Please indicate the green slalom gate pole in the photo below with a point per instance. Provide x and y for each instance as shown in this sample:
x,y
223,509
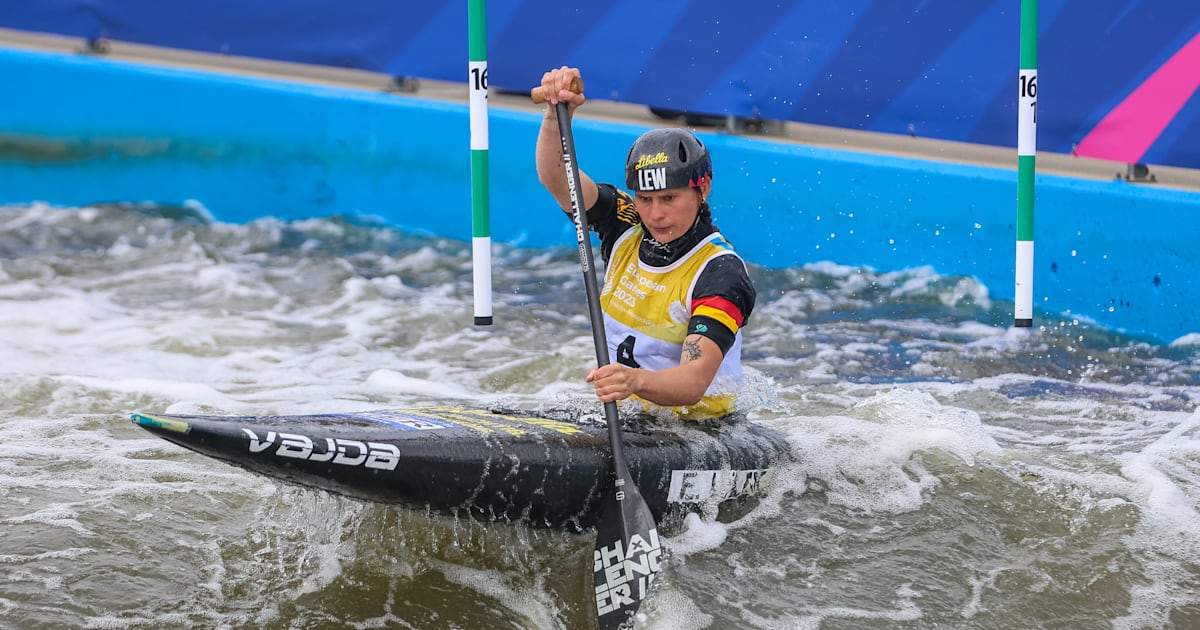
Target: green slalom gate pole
x,y
1026,163
481,235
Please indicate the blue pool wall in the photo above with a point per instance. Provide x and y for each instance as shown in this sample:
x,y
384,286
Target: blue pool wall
x,y
78,130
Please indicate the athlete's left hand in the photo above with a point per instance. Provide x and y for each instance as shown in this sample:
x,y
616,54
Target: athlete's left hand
x,y
615,382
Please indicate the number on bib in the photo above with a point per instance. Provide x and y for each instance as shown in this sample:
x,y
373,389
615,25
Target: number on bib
x,y
625,352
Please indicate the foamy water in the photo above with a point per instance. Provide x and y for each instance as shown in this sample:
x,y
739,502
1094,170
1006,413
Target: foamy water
x,y
953,472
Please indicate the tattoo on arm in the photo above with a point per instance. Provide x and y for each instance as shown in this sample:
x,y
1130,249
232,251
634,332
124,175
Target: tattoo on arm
x,y
691,348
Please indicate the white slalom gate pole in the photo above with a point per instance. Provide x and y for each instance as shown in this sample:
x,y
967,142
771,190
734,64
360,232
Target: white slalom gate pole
x,y
481,236
1026,164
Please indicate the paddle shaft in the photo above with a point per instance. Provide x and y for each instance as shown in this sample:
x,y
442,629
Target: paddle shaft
x,y
628,552
587,263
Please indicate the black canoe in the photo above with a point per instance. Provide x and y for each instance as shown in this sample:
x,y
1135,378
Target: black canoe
x,y
511,466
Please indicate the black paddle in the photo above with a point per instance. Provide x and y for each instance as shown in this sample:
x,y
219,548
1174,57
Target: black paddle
x,y
628,553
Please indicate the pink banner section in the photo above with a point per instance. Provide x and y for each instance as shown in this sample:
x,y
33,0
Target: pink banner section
x,y
1129,130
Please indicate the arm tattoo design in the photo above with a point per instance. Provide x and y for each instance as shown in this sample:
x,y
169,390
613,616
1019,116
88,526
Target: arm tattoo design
x,y
692,350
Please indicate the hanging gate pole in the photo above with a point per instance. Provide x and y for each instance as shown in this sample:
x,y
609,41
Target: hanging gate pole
x,y
481,235
1026,164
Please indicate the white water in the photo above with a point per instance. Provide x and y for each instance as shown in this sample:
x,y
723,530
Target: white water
x,y
954,472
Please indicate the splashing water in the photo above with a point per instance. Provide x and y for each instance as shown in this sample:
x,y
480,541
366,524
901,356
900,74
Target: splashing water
x,y
951,472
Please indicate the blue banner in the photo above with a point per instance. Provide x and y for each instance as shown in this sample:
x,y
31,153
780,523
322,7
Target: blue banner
x,y
931,68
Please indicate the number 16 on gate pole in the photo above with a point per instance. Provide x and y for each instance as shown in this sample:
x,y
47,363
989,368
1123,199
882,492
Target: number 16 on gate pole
x,y
481,235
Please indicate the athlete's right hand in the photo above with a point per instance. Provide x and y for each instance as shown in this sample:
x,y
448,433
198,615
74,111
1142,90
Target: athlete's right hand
x,y
556,88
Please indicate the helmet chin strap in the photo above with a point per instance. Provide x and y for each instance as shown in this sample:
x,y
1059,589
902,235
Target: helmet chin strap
x,y
655,243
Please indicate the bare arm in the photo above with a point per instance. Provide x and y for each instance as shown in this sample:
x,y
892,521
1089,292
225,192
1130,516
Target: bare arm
x,y
551,170
683,384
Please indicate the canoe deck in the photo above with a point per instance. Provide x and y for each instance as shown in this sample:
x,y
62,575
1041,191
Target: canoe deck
x,y
491,466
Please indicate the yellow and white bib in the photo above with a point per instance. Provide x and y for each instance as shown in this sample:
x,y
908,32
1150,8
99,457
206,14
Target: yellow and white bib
x,y
646,313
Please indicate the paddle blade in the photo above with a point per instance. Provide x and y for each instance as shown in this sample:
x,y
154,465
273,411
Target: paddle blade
x,y
628,554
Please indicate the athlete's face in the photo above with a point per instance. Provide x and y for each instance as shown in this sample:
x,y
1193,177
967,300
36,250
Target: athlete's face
x,y
669,213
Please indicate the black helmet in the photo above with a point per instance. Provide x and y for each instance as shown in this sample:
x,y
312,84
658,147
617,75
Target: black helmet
x,y
667,158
